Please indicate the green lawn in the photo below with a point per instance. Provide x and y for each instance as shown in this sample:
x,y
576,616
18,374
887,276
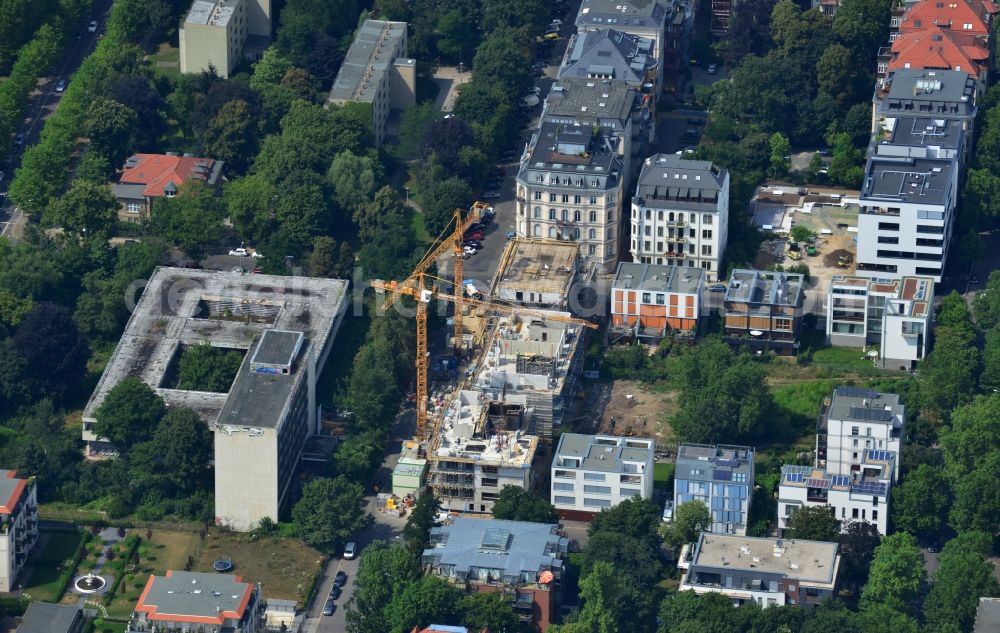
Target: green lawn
x,y
417,225
167,54
663,472
332,384
48,566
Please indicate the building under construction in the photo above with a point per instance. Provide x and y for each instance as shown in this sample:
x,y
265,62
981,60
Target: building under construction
x,y
480,447
532,362
537,273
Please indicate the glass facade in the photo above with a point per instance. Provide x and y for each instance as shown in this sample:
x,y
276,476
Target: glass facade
x,y
725,500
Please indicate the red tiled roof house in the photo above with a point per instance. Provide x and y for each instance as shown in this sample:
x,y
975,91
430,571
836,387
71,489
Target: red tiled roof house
x,y
146,177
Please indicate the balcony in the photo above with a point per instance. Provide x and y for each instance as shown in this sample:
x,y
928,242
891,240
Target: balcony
x,y
883,211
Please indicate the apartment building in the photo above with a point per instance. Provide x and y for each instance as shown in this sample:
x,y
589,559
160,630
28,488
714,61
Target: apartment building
x,y
895,314
42,617
938,94
537,273
907,216
148,177
646,19
194,601
912,136
680,214
650,301
722,13
18,526
532,362
969,17
680,26
285,328
610,54
719,476
763,310
936,48
520,559
220,34
863,495
612,104
570,187
855,420
377,71
481,447
594,472
770,572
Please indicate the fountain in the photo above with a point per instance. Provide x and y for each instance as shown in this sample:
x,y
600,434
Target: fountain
x,y
89,583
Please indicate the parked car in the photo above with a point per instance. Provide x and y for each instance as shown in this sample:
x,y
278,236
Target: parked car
x,y
350,550
60,85
19,140
473,244
335,592
718,287
491,195
475,237
329,607
695,121
92,27
530,101
340,579
487,220
556,21
238,269
511,235
238,252
712,69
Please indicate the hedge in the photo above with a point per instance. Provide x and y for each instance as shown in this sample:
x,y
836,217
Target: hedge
x,y
70,572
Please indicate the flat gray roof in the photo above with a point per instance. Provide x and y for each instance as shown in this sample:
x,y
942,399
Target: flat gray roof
x,y
657,278
42,617
947,93
667,181
806,561
512,547
277,347
713,462
195,594
375,46
608,53
647,14
259,396
765,287
858,404
987,616
211,12
601,100
916,131
908,180
604,453
181,306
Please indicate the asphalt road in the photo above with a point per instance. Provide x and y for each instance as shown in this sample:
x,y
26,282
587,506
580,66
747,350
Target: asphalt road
x,y
42,103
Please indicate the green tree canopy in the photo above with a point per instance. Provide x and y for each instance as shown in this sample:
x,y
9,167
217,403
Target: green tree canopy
x,y
857,547
517,504
977,498
191,219
920,503
417,532
203,367
87,208
330,512
129,414
690,520
963,576
814,523
183,443
383,575
897,572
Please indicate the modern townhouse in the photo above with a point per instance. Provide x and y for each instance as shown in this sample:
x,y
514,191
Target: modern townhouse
x,y
719,476
593,472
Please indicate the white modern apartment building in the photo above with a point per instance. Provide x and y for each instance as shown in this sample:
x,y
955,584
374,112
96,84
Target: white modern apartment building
x,y
770,572
906,217
863,495
855,420
18,525
570,187
594,472
894,314
719,476
221,33
680,214
377,71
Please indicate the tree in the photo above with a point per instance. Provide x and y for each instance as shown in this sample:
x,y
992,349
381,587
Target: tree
x,y
972,436
690,520
428,600
977,498
54,355
301,82
814,523
989,379
844,163
920,503
897,572
947,376
491,609
383,575
864,26
385,234
837,74
231,135
986,305
780,155
358,456
953,312
329,260
203,367
602,595
440,201
963,576
354,180
722,395
802,233
457,37
110,126
517,504
981,196
191,219
270,69
129,414
138,94
249,204
502,60
749,30
417,531
87,208
857,547
330,512
183,443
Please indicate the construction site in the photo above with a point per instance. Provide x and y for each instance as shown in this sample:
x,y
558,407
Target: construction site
x,y
512,371
536,273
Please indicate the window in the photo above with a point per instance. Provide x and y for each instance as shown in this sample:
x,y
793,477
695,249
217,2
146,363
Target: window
x,y
888,226
576,215
646,297
660,299
706,234
133,207
562,485
565,198
538,195
596,503
490,482
538,230
552,214
538,213
552,233
885,239
576,199
593,200
564,474
566,501
600,490
630,492
874,515
552,197
854,513
706,219
592,234
592,476
565,215
593,216
855,430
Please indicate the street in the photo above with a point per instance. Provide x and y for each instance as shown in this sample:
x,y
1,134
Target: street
x,y
386,528
42,103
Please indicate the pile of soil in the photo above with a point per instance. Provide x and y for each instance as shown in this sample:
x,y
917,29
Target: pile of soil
x,y
830,260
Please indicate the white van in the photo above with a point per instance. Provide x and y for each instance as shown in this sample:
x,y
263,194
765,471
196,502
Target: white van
x,y
350,550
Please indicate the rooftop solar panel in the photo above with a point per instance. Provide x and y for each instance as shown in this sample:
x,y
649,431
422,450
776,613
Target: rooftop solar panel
x,y
795,478
878,456
874,415
856,392
818,483
841,480
870,488
721,475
